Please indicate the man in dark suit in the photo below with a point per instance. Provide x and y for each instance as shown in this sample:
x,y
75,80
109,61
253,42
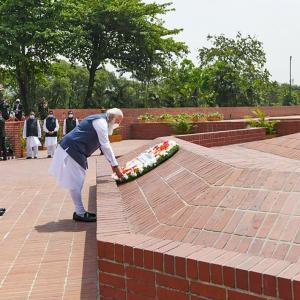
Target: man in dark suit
x,y
4,115
2,137
18,110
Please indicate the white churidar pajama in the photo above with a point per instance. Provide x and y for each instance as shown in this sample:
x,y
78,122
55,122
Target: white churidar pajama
x,y
51,141
32,142
70,175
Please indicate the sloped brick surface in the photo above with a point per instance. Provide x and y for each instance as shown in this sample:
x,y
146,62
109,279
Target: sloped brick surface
x,y
226,220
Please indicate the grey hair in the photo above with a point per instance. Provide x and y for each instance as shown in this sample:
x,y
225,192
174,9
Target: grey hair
x,y
116,112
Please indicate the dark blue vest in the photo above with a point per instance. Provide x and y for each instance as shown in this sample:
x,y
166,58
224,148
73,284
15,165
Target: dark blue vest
x,y
31,127
51,125
83,140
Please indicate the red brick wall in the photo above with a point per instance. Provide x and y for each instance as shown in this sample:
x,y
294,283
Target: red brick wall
x,y
288,127
149,131
13,132
134,272
228,112
131,114
222,138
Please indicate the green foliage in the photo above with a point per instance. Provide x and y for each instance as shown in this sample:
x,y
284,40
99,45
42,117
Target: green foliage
x,y
199,117
215,116
182,126
132,37
166,117
128,34
146,117
182,117
234,70
261,120
30,37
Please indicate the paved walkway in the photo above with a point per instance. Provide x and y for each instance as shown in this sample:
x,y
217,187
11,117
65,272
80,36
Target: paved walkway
x,y
44,254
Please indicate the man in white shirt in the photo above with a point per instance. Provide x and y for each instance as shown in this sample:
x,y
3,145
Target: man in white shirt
x,y
51,127
32,133
69,164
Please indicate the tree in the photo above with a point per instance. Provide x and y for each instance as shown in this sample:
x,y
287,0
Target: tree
x,y
236,70
29,40
127,34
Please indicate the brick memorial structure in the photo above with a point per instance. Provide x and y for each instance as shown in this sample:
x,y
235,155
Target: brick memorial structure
x,y
220,223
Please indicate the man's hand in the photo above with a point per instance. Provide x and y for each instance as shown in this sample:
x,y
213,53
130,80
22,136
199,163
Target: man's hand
x,y
118,171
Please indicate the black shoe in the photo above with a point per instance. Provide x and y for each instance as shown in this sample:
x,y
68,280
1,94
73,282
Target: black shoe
x,y
49,156
4,158
35,157
2,211
87,217
28,157
92,214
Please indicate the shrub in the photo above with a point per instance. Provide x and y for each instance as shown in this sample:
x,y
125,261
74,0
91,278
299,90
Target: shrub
x,y
199,116
146,117
183,116
216,116
260,121
182,127
166,117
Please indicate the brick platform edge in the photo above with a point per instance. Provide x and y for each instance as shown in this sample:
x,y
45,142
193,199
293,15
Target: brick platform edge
x,y
13,132
154,130
288,127
222,138
139,267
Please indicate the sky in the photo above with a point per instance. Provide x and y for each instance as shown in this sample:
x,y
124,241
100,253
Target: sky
x,y
276,23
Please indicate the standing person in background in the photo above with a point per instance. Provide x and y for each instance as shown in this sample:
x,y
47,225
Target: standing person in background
x,y
69,123
18,110
4,107
43,108
32,133
2,137
51,127
4,115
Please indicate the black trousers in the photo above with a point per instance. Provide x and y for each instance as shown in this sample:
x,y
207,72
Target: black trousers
x,y
2,147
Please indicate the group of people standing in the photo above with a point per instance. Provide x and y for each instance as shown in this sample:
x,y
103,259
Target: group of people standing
x,y
15,112
32,132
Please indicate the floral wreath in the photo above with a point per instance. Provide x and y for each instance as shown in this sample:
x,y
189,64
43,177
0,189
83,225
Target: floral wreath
x,y
147,161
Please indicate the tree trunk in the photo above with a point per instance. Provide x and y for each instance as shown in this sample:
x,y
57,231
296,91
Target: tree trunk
x,y
89,94
23,83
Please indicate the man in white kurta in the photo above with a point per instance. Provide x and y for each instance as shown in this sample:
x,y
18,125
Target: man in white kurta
x,y
51,127
32,133
69,164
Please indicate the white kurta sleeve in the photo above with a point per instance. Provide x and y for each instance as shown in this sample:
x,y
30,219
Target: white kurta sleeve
x,y
39,129
64,127
44,127
100,126
57,126
24,130
77,122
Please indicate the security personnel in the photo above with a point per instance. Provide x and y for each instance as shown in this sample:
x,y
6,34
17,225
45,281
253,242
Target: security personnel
x,y
51,127
69,123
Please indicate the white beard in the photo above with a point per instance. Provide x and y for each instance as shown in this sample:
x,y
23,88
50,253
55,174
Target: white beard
x,y
112,126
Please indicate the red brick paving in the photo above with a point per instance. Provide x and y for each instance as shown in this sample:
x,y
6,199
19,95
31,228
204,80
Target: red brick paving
x,y
43,253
